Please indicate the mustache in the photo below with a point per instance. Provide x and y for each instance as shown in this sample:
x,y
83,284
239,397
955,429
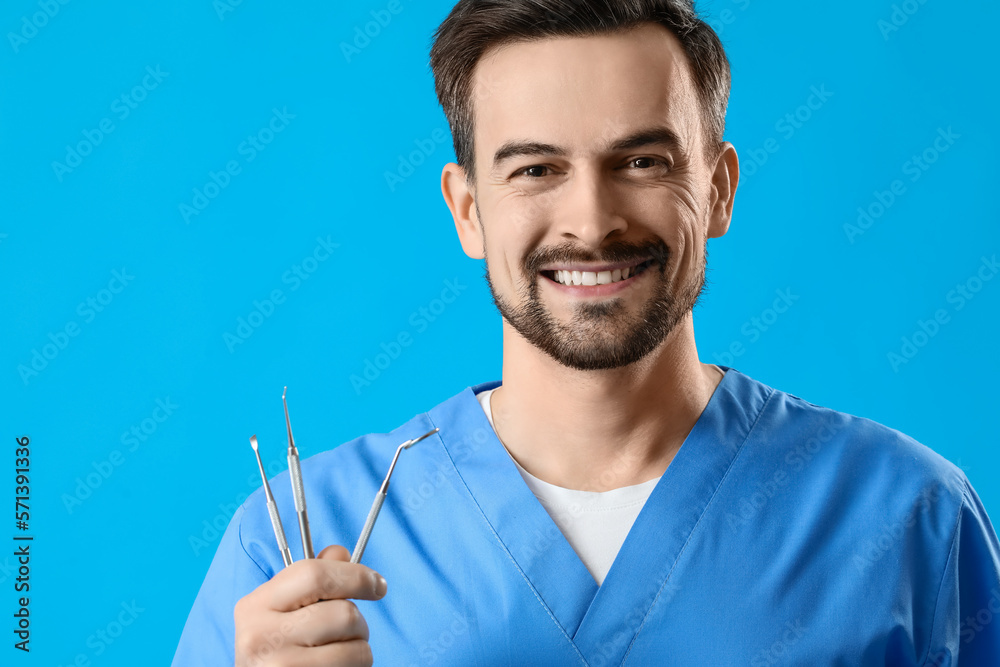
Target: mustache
x,y
614,252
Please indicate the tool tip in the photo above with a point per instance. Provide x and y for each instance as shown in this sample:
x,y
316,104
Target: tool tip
x,y
285,391
253,442
425,435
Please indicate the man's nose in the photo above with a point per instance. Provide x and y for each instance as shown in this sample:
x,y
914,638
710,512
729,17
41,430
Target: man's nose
x,y
587,211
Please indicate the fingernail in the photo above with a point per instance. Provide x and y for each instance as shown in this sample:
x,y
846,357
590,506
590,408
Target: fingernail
x,y
380,586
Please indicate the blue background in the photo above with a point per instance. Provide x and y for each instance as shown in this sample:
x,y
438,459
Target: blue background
x,y
132,535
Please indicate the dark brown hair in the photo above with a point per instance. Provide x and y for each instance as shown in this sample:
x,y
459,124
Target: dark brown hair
x,y
475,26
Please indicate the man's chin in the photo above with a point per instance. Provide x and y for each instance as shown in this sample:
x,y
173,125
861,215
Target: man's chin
x,y
597,358
599,346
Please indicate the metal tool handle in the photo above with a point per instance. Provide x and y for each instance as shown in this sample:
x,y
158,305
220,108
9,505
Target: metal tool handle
x,y
295,476
286,555
366,532
307,546
299,496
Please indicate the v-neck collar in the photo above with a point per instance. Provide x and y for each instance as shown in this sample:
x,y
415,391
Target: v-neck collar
x,y
601,621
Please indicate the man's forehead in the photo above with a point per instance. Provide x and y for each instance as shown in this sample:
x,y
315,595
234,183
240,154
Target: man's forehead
x,y
603,86
650,40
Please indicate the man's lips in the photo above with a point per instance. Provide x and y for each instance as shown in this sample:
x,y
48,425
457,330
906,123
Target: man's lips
x,y
594,268
591,279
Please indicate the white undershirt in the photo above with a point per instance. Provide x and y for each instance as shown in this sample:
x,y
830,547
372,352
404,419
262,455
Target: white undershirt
x,y
595,523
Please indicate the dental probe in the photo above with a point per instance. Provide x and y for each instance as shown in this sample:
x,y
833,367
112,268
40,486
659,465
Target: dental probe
x,y
298,493
272,509
366,532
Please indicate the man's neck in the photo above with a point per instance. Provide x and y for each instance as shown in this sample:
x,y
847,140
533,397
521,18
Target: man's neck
x,y
600,430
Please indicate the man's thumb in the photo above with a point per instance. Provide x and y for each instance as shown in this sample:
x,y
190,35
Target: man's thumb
x,y
335,552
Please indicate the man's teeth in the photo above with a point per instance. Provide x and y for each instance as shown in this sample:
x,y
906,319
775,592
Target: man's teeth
x,y
591,277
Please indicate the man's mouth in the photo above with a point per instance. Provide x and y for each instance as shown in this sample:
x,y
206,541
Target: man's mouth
x,y
601,277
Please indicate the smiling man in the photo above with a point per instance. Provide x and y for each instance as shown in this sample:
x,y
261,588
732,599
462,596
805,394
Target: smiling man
x,y
611,500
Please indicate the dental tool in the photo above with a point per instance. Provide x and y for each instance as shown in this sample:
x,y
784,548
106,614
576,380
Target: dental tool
x,y
366,532
298,493
272,509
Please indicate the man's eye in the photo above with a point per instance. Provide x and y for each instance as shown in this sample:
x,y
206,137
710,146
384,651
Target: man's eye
x,y
642,163
648,162
531,172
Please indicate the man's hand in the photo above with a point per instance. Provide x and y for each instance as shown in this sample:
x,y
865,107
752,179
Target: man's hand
x,y
302,615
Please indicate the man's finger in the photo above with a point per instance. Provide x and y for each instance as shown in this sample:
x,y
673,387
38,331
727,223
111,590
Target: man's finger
x,y
323,623
355,653
311,580
335,552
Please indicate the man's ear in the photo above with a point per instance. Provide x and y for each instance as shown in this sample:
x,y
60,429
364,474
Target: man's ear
x,y
725,177
462,203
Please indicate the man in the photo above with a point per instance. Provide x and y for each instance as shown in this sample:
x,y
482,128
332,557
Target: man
x,y
613,500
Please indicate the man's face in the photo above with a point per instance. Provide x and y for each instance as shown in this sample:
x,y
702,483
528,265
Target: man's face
x,y
591,169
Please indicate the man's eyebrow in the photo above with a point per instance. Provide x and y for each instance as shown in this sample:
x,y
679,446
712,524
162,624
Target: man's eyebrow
x,y
521,148
660,135
652,136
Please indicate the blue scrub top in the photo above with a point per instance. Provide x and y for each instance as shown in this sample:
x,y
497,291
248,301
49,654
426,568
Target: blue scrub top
x,y
781,533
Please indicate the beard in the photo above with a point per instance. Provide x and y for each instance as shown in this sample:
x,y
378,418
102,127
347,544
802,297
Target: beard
x,y
601,335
